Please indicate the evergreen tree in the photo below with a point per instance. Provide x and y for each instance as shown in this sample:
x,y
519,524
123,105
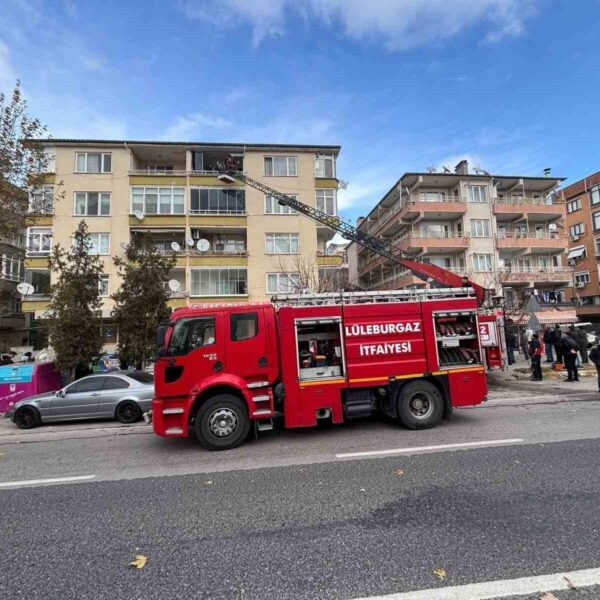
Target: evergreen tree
x,y
141,302
75,304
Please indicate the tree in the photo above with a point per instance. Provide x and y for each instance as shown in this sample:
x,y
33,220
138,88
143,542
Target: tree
x,y
75,305
304,274
23,162
141,302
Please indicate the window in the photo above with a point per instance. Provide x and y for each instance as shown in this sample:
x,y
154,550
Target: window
x,y
114,383
41,200
88,384
158,200
39,241
282,283
219,282
103,285
597,243
280,166
432,196
476,193
573,205
218,201
596,219
98,243
272,207
326,201
595,194
244,326
93,162
92,204
480,227
324,165
583,277
141,376
482,262
190,334
12,268
576,230
281,243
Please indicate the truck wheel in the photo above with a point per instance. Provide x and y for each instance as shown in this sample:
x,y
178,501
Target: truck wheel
x,y
222,422
420,405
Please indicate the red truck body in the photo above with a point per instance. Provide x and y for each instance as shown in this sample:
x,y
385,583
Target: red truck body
x,y
413,360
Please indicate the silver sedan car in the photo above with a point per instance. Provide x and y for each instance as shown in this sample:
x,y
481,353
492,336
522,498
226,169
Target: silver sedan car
x,y
122,395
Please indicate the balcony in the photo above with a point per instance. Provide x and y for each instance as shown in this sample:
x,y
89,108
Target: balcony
x,y
431,242
35,303
538,209
518,241
330,260
526,275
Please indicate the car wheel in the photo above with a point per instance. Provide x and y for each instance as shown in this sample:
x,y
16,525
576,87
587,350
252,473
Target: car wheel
x,y
27,417
222,422
420,405
128,412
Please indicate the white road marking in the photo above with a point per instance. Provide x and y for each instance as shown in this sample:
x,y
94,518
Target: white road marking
x,y
43,481
426,448
488,590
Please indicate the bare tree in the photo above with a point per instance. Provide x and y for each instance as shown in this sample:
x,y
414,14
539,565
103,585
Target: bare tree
x,y
304,274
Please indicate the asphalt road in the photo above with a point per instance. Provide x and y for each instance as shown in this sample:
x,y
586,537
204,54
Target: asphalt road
x,y
283,517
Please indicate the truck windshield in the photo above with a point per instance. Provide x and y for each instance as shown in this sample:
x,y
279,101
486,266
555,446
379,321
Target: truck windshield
x,y
189,334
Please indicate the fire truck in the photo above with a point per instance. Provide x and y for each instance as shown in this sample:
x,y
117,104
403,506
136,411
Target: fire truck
x,y
413,355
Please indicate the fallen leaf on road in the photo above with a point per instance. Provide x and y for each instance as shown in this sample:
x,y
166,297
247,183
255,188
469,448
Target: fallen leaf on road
x,y
440,574
139,561
208,482
548,596
570,583
363,490
399,472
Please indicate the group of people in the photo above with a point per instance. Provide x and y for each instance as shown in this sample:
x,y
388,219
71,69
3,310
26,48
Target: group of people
x,y
553,343
10,358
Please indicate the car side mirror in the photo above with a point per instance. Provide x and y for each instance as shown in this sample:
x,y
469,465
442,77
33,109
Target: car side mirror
x,y
59,393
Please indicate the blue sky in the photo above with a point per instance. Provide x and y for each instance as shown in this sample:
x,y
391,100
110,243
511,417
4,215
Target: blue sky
x,y
512,85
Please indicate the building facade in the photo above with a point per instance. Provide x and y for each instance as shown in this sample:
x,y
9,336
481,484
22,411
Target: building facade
x,y
582,200
505,232
233,244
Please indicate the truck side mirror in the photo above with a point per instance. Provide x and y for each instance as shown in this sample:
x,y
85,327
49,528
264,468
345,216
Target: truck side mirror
x,y
161,349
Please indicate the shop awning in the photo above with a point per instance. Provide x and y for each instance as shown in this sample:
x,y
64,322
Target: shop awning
x,y
576,252
553,316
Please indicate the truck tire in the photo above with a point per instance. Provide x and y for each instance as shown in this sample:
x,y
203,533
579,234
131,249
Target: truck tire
x,y
222,422
420,405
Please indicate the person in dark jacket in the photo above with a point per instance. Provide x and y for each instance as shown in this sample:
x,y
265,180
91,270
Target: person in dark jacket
x,y
535,353
547,338
569,351
556,337
581,338
511,344
523,343
595,358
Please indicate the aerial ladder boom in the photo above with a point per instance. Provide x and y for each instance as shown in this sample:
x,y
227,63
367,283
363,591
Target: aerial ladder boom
x,y
432,274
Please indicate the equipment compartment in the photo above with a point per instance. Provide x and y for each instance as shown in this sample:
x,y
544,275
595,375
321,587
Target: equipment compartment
x,y
319,348
456,338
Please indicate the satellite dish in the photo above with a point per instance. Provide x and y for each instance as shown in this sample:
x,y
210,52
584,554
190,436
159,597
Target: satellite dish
x,y
25,288
123,245
174,285
138,214
176,248
190,242
203,245
343,184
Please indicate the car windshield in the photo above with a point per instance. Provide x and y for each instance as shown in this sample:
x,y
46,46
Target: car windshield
x,y
141,376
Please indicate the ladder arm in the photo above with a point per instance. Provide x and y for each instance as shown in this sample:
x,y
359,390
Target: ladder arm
x,y
432,274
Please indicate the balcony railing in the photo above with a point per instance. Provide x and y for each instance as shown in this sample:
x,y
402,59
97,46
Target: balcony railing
x,y
164,172
240,212
529,201
535,269
36,297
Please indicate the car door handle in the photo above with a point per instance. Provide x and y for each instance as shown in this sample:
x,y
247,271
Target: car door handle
x,y
95,393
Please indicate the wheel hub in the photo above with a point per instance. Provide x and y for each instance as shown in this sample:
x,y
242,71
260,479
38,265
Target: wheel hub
x,y
421,406
222,422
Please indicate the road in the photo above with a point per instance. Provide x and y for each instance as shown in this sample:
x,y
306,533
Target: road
x,y
287,517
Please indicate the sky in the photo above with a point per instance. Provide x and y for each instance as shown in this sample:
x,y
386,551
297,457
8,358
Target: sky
x,y
511,85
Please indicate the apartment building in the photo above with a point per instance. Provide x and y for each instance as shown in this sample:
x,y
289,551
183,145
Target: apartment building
x,y
582,200
233,244
506,232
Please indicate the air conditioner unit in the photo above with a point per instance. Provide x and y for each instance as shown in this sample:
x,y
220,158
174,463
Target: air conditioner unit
x,y
574,238
579,284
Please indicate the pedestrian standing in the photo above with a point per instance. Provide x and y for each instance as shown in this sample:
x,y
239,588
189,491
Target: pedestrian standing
x,y
535,353
523,343
582,342
548,344
595,358
556,337
569,350
511,344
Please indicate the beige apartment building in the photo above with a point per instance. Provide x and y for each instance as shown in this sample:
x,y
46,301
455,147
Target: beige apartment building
x,y
506,232
233,243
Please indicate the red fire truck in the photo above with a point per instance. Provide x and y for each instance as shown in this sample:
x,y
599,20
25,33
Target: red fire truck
x,y
412,354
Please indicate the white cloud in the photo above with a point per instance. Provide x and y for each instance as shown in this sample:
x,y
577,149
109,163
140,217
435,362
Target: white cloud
x,y
7,73
398,24
195,124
